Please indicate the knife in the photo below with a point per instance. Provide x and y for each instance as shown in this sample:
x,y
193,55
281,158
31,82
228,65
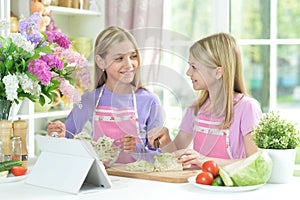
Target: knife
x,y
156,144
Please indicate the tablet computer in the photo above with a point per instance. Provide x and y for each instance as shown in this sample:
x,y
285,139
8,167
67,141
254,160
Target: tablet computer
x,y
68,165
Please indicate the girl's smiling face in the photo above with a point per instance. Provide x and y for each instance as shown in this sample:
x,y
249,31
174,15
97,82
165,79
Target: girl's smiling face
x,y
203,77
121,63
196,72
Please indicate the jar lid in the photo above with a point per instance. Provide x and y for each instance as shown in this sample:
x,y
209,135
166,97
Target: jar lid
x,y
5,124
20,124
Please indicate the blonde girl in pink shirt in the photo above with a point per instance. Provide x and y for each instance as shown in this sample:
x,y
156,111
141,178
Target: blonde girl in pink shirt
x,y
218,124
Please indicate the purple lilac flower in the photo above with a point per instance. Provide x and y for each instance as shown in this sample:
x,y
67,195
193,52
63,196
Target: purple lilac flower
x,y
41,70
45,43
53,61
0,45
35,38
58,38
24,26
31,24
35,19
29,28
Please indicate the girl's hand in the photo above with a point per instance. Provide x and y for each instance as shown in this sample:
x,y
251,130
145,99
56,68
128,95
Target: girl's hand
x,y
189,157
128,143
161,134
56,127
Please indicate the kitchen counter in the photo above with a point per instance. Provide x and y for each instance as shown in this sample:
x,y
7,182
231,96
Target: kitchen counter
x,y
129,188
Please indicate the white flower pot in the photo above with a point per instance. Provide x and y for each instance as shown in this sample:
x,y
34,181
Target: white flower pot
x,y
283,164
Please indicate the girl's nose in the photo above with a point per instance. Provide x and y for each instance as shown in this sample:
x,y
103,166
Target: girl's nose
x,y
189,71
128,62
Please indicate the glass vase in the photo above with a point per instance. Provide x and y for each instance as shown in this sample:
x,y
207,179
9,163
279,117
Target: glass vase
x,y
5,107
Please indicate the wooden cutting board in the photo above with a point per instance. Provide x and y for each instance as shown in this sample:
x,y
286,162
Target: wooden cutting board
x,y
169,176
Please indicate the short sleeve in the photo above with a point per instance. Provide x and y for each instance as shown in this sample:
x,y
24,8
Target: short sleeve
x,y
251,116
187,123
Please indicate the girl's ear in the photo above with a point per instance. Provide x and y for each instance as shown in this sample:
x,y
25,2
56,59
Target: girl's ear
x,y
100,62
219,72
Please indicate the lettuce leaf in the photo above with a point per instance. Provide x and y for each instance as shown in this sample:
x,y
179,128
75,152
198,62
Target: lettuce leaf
x,y
254,170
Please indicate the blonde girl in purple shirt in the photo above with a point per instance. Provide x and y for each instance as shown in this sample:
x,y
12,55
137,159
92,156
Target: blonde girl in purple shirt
x,y
218,124
119,107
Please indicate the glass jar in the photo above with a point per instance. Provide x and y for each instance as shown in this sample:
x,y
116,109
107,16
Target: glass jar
x,y
16,146
20,129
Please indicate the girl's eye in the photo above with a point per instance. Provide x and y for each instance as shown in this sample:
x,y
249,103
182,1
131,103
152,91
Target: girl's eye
x,y
193,67
119,59
133,57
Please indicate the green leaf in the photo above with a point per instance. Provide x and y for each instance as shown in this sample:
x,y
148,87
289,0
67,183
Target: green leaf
x,y
2,68
44,49
42,100
9,64
32,76
276,133
23,95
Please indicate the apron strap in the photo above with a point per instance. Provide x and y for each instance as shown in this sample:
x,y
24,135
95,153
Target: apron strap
x,y
135,111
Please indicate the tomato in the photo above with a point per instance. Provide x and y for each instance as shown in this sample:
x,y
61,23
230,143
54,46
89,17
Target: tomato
x,y
18,170
211,166
205,178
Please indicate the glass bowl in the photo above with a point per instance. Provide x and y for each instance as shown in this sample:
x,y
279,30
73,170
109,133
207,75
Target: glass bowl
x,y
107,155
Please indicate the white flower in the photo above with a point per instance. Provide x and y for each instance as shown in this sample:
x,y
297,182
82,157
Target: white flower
x,y
11,86
22,42
29,86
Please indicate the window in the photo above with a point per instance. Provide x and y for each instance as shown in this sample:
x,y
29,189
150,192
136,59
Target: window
x,y
271,51
185,21
269,37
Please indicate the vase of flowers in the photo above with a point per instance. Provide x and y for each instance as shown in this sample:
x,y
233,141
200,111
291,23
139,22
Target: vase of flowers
x,y
279,138
34,64
5,107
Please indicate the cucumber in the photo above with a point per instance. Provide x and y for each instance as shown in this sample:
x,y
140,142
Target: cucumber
x,y
225,177
3,174
7,165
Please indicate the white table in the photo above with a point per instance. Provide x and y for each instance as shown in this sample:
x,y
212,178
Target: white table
x,y
128,188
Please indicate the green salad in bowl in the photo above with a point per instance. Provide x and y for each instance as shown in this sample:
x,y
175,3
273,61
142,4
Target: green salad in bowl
x,y
107,152
105,148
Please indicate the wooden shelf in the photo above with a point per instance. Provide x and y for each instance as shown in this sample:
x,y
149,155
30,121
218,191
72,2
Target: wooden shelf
x,y
72,11
54,113
39,115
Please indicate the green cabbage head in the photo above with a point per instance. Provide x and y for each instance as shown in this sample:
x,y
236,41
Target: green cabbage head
x,y
253,170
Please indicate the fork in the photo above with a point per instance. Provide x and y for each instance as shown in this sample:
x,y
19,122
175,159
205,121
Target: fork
x,y
55,134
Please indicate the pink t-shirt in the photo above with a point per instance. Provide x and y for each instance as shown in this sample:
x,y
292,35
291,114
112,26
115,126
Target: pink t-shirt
x,y
247,114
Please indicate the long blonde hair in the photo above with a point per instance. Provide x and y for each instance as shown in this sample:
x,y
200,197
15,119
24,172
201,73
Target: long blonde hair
x,y
109,37
221,50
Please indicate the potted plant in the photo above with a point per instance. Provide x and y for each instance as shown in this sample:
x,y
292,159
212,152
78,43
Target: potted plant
x,y
279,138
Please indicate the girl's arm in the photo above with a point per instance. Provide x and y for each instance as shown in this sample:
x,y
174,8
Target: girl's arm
x,y
181,141
189,156
249,144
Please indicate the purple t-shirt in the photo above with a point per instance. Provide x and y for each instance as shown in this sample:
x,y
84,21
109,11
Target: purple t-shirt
x,y
247,114
150,112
